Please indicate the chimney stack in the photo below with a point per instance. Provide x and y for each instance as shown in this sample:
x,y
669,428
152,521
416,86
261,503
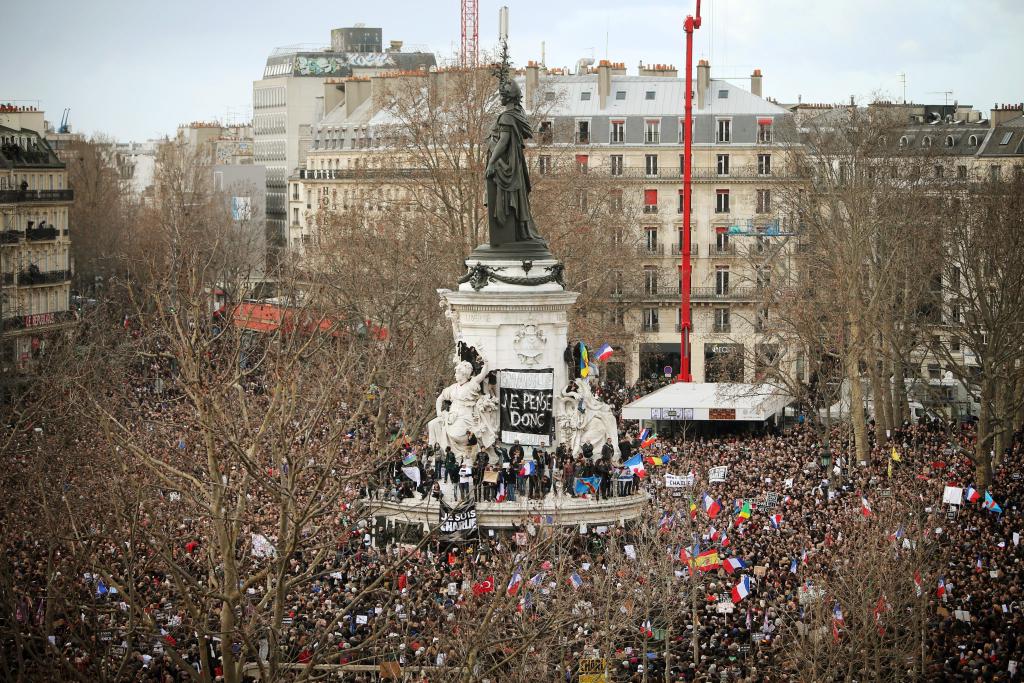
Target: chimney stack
x,y
1002,113
532,82
604,82
357,91
755,83
703,82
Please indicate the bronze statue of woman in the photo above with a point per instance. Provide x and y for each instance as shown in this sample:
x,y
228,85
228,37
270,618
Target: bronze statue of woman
x,y
508,179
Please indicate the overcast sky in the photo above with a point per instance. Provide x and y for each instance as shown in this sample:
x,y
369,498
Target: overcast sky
x,y
136,69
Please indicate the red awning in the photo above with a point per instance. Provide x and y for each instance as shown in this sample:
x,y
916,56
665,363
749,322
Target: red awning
x,y
765,122
582,158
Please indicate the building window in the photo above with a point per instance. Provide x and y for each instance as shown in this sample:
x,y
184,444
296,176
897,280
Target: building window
x,y
926,141
544,164
721,320
583,132
949,141
972,141
649,95
582,162
938,171
723,164
904,141
652,131
764,130
651,164
650,201
682,195
585,96
651,239
615,201
721,243
764,201
961,172
581,200
544,133
994,172
618,132
724,130
723,94
721,280
650,320
764,164
616,164
650,280
721,201
1005,140
620,94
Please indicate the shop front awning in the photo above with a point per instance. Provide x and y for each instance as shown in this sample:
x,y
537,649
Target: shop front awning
x,y
708,401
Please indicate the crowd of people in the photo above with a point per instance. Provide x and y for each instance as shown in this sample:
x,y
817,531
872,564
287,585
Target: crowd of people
x,y
377,598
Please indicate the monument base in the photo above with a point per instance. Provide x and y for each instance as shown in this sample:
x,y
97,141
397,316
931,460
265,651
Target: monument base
x,y
552,510
516,327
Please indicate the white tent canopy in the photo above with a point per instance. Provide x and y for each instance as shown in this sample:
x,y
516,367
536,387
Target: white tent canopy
x,y
708,401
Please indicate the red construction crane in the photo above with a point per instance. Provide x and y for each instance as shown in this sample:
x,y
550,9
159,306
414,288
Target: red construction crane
x,y
470,53
689,26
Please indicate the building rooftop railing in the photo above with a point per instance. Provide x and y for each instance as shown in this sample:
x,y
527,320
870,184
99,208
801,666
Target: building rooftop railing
x,y
11,196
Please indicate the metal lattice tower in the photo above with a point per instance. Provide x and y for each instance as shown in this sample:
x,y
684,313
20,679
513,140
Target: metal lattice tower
x,y
470,33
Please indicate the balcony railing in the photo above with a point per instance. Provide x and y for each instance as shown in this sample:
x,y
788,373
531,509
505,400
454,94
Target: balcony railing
x,y
41,234
697,173
650,208
652,249
719,328
730,294
716,249
677,249
10,196
8,278
651,327
11,236
36,277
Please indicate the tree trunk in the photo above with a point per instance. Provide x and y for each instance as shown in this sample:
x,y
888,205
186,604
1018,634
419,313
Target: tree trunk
x,y
881,421
860,431
982,459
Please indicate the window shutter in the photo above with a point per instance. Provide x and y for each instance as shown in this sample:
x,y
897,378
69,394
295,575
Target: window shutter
x,y
650,197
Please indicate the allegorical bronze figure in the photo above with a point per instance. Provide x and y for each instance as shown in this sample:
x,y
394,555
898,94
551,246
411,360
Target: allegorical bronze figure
x,y
508,178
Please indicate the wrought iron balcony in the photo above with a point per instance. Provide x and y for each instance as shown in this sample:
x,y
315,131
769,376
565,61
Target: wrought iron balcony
x,y
11,196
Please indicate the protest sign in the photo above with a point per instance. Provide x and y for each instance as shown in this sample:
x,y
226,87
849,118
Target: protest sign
x,y
525,402
718,474
952,495
675,481
459,521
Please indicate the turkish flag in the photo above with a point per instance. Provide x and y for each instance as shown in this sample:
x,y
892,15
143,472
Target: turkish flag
x,y
485,586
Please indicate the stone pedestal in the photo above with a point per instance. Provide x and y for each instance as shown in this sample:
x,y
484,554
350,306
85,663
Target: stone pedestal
x,y
516,314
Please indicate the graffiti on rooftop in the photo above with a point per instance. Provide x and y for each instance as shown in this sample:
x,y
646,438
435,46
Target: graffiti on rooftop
x,y
338,66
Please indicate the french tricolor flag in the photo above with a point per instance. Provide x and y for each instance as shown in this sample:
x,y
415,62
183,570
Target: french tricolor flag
x,y
865,507
941,590
529,467
711,506
972,495
731,564
741,589
515,582
605,352
776,520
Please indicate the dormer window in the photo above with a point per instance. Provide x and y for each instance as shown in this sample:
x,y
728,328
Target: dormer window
x,y
926,141
949,141
972,141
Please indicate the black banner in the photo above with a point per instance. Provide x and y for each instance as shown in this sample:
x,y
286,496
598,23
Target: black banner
x,y
459,521
526,398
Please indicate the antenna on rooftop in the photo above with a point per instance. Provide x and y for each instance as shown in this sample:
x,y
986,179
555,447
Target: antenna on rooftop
x,y
903,80
947,93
